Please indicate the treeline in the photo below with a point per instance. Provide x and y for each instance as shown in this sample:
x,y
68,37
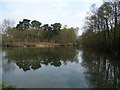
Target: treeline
x,y
34,31
102,27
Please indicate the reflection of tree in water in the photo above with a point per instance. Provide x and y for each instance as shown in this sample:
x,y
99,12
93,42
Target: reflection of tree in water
x,y
8,65
34,58
102,71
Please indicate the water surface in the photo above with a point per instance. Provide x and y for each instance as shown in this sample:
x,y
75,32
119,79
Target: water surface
x,y
59,67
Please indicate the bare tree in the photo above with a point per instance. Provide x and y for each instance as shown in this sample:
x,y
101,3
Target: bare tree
x,y
6,25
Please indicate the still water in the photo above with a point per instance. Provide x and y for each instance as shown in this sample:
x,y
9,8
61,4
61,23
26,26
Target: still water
x,y
59,67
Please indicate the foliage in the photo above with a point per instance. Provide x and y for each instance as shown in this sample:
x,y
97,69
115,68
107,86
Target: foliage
x,y
34,31
102,27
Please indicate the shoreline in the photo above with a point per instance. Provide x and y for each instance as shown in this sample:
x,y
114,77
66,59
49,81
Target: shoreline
x,y
40,44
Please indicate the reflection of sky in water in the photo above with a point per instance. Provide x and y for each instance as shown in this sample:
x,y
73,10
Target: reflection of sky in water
x,y
60,68
47,76
65,76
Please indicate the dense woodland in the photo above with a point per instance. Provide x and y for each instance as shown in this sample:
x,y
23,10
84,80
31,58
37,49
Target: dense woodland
x,y
34,31
101,30
102,27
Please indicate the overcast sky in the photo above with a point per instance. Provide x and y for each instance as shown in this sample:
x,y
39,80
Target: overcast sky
x,y
67,12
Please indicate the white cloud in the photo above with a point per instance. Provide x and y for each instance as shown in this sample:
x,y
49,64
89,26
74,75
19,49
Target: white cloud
x,y
67,12
50,0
